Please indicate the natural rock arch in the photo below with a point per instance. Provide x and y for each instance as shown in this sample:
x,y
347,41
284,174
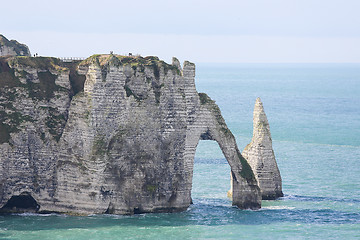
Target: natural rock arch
x,y
123,145
210,125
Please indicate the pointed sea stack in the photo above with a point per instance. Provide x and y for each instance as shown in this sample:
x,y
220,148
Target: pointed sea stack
x,y
260,155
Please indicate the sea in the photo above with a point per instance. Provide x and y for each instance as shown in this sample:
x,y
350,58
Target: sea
x,y
314,116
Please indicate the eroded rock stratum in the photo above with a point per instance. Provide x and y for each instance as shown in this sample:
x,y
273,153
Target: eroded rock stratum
x,y
260,155
111,134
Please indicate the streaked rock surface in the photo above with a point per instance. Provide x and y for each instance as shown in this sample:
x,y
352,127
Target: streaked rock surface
x,y
110,134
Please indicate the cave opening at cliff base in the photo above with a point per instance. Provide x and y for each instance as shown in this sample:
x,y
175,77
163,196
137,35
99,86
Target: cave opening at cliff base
x,y
20,204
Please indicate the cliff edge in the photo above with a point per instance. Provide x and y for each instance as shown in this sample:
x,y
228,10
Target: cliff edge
x,y
12,48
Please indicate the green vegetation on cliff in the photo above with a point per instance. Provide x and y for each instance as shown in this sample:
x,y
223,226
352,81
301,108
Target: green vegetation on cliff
x,y
46,63
211,105
246,171
204,99
137,63
76,80
12,90
10,122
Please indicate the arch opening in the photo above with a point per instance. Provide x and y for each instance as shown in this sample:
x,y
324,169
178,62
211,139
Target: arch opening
x,y
20,204
211,178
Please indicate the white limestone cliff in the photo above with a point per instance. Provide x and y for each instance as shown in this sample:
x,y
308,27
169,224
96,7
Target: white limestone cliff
x,y
111,134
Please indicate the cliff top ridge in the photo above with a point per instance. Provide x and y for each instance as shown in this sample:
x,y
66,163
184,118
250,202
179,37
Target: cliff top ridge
x,y
19,49
136,62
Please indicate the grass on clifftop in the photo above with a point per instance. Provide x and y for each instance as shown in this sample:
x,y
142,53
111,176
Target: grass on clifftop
x,y
46,63
138,63
46,86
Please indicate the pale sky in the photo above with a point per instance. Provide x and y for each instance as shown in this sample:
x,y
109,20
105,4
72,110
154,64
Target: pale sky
x,y
199,31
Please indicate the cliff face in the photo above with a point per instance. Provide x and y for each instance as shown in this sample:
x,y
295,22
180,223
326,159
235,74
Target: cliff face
x,y
111,134
34,101
261,157
12,48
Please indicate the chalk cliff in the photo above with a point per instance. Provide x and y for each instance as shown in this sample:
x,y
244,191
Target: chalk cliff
x,y
12,48
260,155
110,134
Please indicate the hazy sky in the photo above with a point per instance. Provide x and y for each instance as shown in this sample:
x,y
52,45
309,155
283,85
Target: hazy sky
x,y
198,30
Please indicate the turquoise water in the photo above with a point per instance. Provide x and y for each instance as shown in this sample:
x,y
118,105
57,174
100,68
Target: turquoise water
x,y
314,115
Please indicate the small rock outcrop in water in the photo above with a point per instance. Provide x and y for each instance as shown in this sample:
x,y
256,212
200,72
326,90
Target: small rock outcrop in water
x,y
111,134
12,48
260,155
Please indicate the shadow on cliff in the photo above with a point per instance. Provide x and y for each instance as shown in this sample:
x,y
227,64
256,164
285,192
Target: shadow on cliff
x,y
210,212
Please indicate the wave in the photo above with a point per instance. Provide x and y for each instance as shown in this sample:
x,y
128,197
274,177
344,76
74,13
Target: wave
x,y
277,208
318,199
29,214
316,144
